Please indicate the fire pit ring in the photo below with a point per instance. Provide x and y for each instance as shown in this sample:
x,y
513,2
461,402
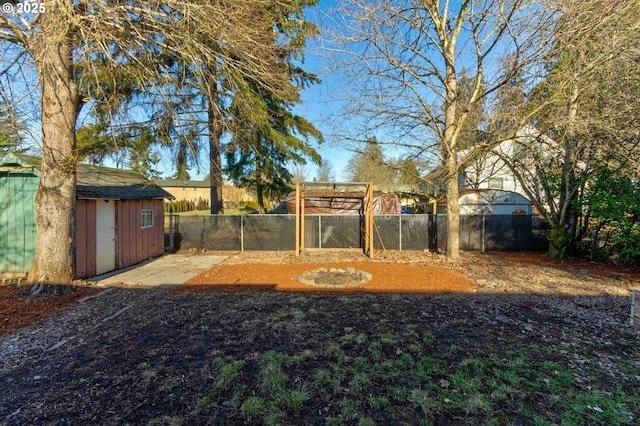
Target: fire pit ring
x,y
335,277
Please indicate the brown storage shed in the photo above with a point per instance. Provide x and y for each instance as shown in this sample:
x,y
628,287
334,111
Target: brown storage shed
x,y
119,217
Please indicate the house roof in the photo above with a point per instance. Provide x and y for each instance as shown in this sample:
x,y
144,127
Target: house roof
x,y
97,182
180,183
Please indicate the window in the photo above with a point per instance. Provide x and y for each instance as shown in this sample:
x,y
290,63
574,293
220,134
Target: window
x,y
496,183
147,218
518,151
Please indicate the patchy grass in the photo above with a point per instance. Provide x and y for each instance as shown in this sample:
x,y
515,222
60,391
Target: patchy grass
x,y
401,374
280,359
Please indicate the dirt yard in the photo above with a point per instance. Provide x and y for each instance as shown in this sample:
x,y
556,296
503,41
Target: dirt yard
x,y
266,269
157,356
418,273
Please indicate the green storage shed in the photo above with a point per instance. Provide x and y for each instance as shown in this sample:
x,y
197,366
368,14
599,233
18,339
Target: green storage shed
x,y
18,185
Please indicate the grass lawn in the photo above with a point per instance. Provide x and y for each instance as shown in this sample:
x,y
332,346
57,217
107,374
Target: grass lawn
x,y
401,369
399,375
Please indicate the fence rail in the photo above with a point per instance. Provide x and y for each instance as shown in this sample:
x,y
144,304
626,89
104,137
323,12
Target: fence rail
x,y
391,232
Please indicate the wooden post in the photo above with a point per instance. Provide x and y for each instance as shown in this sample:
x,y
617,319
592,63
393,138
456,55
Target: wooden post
x,y
370,215
365,229
302,218
297,218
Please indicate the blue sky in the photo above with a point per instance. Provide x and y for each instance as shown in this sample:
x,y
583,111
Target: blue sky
x,y
318,106
314,107
317,103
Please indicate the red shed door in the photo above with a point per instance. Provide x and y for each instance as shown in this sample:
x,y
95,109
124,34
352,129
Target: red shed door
x,y
105,236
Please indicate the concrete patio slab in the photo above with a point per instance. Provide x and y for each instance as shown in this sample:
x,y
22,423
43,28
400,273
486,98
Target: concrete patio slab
x,y
171,269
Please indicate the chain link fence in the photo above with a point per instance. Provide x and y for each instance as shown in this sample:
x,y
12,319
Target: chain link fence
x,y
391,232
496,233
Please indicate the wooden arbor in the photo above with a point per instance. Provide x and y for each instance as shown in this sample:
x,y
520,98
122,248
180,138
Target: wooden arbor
x,y
367,209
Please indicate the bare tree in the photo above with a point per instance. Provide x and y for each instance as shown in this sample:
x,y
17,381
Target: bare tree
x,y
11,128
404,62
300,173
586,111
64,32
325,172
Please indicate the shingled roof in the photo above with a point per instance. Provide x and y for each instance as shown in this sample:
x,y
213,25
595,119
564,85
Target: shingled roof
x,y
97,182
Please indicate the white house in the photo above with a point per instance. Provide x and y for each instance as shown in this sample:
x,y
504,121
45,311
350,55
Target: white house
x,y
493,201
489,202
490,171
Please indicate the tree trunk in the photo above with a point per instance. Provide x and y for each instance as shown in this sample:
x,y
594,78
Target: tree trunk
x,y
453,210
563,236
449,145
558,242
215,149
55,199
259,189
260,197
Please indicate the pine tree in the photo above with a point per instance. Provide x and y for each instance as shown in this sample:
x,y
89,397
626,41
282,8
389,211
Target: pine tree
x,y
10,128
370,165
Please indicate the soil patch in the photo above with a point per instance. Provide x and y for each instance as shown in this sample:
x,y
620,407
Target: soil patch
x,y
386,277
631,272
16,310
527,343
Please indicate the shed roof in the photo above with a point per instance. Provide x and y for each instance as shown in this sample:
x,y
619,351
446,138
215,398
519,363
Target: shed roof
x,y
97,182
14,160
106,182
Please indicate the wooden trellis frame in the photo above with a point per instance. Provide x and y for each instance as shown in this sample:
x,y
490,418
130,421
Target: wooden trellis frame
x,y
367,195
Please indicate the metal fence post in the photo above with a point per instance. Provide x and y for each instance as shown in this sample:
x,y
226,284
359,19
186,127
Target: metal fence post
x,y
241,232
484,233
171,231
319,231
634,305
400,232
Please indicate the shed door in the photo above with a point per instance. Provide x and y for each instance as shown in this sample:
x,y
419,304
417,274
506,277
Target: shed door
x,y
105,236
17,221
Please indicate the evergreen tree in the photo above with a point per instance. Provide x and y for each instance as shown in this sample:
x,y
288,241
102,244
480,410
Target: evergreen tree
x,y
370,165
79,45
10,128
266,144
131,147
266,135
408,173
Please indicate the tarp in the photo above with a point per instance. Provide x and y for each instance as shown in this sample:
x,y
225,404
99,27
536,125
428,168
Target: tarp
x,y
329,202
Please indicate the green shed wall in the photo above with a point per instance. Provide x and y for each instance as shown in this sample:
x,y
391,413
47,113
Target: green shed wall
x,y
17,220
